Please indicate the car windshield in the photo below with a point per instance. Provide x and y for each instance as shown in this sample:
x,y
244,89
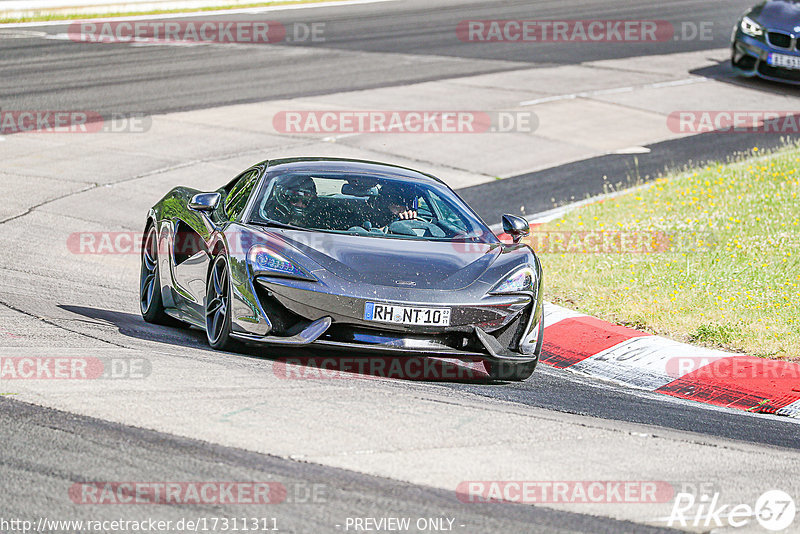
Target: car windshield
x,y
367,205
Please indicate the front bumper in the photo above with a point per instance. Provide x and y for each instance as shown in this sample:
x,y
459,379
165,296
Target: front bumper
x,y
491,327
749,58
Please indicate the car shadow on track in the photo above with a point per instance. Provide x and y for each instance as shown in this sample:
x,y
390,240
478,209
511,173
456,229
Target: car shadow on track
x,y
723,72
132,325
299,363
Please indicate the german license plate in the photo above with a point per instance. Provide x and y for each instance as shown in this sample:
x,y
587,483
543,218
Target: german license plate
x,y
782,60
414,315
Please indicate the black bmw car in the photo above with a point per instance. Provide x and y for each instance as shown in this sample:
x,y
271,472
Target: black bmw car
x,y
766,42
344,254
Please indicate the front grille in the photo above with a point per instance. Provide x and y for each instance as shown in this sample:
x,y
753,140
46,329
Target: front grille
x,y
777,72
779,39
347,333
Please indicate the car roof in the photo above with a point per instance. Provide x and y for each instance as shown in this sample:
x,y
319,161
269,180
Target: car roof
x,y
348,166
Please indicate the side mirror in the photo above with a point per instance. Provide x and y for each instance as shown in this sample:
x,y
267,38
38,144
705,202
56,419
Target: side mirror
x,y
516,227
205,202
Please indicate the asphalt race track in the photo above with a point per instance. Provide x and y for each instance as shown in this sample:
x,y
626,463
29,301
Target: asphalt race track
x,y
42,433
375,447
367,46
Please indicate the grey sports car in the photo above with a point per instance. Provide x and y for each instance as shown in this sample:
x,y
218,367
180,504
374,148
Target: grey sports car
x,y
344,254
766,41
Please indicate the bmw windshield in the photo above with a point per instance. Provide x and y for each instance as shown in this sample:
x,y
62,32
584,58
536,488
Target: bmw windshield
x,y
367,205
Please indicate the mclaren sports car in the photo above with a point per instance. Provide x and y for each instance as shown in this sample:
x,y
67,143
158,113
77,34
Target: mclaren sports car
x,y
344,254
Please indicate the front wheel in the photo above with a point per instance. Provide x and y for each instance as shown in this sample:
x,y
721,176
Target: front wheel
x,y
218,306
150,303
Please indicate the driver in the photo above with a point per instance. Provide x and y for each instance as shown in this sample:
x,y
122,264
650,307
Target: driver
x,y
293,201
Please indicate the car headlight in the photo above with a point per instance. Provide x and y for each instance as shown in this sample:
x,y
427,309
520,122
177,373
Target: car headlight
x,y
521,280
751,27
265,261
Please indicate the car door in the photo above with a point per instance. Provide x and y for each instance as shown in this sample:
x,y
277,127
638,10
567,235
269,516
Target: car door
x,y
191,256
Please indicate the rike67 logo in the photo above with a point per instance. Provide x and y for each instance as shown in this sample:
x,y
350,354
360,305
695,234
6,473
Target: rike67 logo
x,y
774,510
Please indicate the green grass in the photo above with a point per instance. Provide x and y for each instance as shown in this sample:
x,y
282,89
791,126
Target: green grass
x,y
720,266
716,334
86,16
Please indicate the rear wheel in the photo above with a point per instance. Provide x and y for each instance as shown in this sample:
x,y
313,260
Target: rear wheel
x,y
218,309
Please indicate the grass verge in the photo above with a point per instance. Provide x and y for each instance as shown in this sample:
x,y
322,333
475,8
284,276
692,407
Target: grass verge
x,y
708,256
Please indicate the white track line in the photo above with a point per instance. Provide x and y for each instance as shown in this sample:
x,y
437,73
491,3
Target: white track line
x,y
626,89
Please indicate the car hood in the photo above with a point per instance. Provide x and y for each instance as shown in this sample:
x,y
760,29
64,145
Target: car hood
x,y
781,15
406,263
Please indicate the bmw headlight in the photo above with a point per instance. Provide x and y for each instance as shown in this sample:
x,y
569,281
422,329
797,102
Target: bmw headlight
x,y
265,261
521,280
751,27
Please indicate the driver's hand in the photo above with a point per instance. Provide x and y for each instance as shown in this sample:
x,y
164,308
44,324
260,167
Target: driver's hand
x,y
407,215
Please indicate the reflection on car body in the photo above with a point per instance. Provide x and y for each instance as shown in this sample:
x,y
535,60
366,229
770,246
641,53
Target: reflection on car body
x,y
344,254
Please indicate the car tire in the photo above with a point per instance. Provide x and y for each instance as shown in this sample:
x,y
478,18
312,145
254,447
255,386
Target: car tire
x,y
218,305
150,303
